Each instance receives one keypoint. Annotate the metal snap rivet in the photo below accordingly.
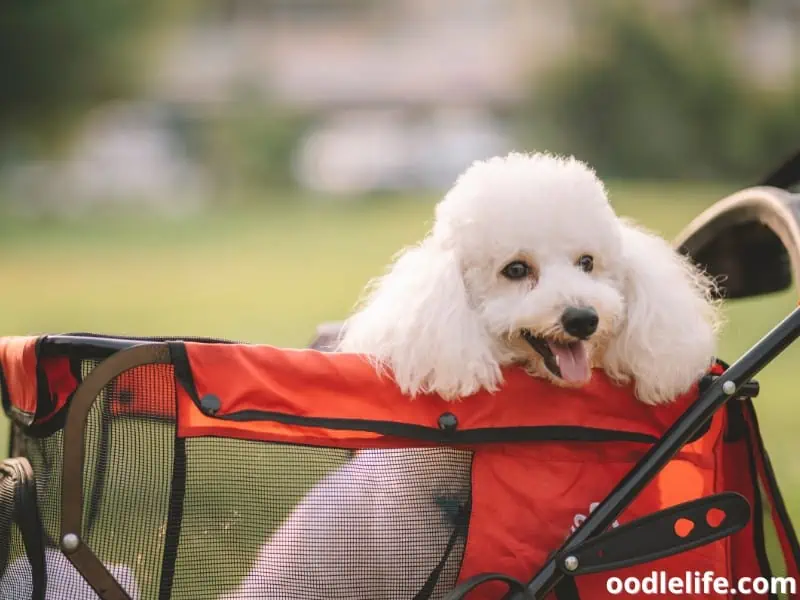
(210, 404)
(448, 422)
(729, 388)
(571, 563)
(70, 542)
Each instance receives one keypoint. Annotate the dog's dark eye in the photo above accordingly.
(585, 263)
(516, 270)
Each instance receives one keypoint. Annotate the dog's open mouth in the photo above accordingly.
(567, 360)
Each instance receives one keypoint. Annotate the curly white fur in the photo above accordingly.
(443, 319)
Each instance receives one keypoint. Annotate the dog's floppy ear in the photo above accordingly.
(668, 337)
(417, 321)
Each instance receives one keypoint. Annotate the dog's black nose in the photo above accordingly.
(580, 322)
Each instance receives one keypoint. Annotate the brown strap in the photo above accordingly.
(96, 574)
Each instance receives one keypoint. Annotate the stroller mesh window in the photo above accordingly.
(238, 493)
(192, 518)
(127, 473)
(46, 455)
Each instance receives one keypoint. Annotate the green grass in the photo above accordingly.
(256, 275)
(271, 275)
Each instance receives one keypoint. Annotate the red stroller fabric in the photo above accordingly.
(543, 456)
(527, 496)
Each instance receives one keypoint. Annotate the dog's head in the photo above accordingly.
(528, 264)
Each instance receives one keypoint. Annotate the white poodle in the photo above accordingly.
(526, 264)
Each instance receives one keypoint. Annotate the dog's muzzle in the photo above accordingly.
(568, 360)
(543, 348)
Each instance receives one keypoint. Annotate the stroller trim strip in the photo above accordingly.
(765, 473)
(177, 494)
(6, 400)
(94, 345)
(461, 529)
(759, 542)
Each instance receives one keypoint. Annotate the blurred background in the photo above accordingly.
(242, 168)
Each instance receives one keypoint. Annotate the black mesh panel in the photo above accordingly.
(224, 518)
(368, 527)
(127, 475)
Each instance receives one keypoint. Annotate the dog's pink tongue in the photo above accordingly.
(573, 361)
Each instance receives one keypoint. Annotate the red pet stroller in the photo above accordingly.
(160, 468)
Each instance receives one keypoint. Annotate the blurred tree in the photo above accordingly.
(61, 57)
(655, 98)
(250, 144)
